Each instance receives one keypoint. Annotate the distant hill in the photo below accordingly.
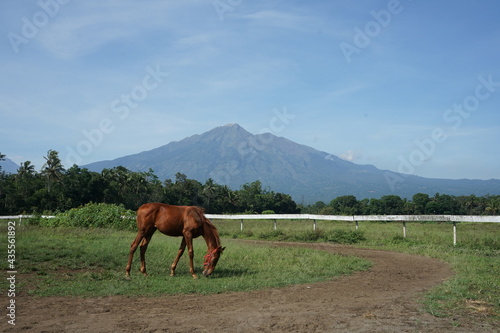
(232, 156)
(8, 166)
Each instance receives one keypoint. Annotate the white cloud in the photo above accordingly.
(350, 156)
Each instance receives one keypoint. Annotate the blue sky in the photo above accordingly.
(410, 86)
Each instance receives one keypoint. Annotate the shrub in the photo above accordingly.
(94, 215)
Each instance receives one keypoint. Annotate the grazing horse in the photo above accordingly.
(186, 221)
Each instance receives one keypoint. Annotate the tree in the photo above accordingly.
(284, 204)
(53, 168)
(209, 193)
(2, 158)
(252, 197)
(420, 201)
(345, 205)
(25, 170)
(392, 204)
(493, 206)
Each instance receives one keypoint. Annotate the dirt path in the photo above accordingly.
(383, 299)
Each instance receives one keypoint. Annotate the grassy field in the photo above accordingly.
(475, 259)
(90, 262)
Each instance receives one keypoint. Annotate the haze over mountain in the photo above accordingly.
(232, 156)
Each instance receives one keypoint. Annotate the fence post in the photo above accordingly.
(275, 226)
(454, 233)
(356, 225)
(404, 229)
(241, 225)
(314, 225)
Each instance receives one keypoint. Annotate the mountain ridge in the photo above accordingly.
(232, 156)
(8, 166)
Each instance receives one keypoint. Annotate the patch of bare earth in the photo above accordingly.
(382, 299)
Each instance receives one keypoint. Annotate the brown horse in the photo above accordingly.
(186, 221)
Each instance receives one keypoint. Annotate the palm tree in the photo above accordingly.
(493, 206)
(52, 168)
(25, 170)
(209, 191)
(2, 158)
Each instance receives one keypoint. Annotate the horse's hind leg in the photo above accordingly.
(133, 247)
(179, 255)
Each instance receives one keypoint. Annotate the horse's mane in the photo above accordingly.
(209, 223)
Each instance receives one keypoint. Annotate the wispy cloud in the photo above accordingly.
(85, 26)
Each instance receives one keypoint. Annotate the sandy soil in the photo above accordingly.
(383, 299)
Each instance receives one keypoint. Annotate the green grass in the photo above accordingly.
(83, 262)
(91, 262)
(475, 289)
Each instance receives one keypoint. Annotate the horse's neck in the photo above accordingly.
(211, 237)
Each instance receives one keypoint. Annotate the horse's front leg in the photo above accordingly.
(144, 247)
(133, 247)
(189, 242)
(179, 255)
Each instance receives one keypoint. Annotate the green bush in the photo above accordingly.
(94, 215)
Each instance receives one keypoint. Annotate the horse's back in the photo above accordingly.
(169, 219)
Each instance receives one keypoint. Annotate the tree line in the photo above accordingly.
(421, 204)
(56, 189)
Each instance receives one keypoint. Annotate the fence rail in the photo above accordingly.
(358, 218)
(350, 218)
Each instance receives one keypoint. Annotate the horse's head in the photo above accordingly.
(211, 260)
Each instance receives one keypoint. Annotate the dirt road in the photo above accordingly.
(383, 299)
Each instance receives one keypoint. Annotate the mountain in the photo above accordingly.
(8, 166)
(232, 156)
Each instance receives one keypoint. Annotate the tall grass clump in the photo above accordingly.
(338, 236)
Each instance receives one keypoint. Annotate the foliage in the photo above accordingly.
(93, 215)
(421, 203)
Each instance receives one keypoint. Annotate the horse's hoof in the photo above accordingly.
(195, 277)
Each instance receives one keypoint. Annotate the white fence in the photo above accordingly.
(351, 218)
(357, 218)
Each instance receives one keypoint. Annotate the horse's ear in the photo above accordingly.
(221, 249)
